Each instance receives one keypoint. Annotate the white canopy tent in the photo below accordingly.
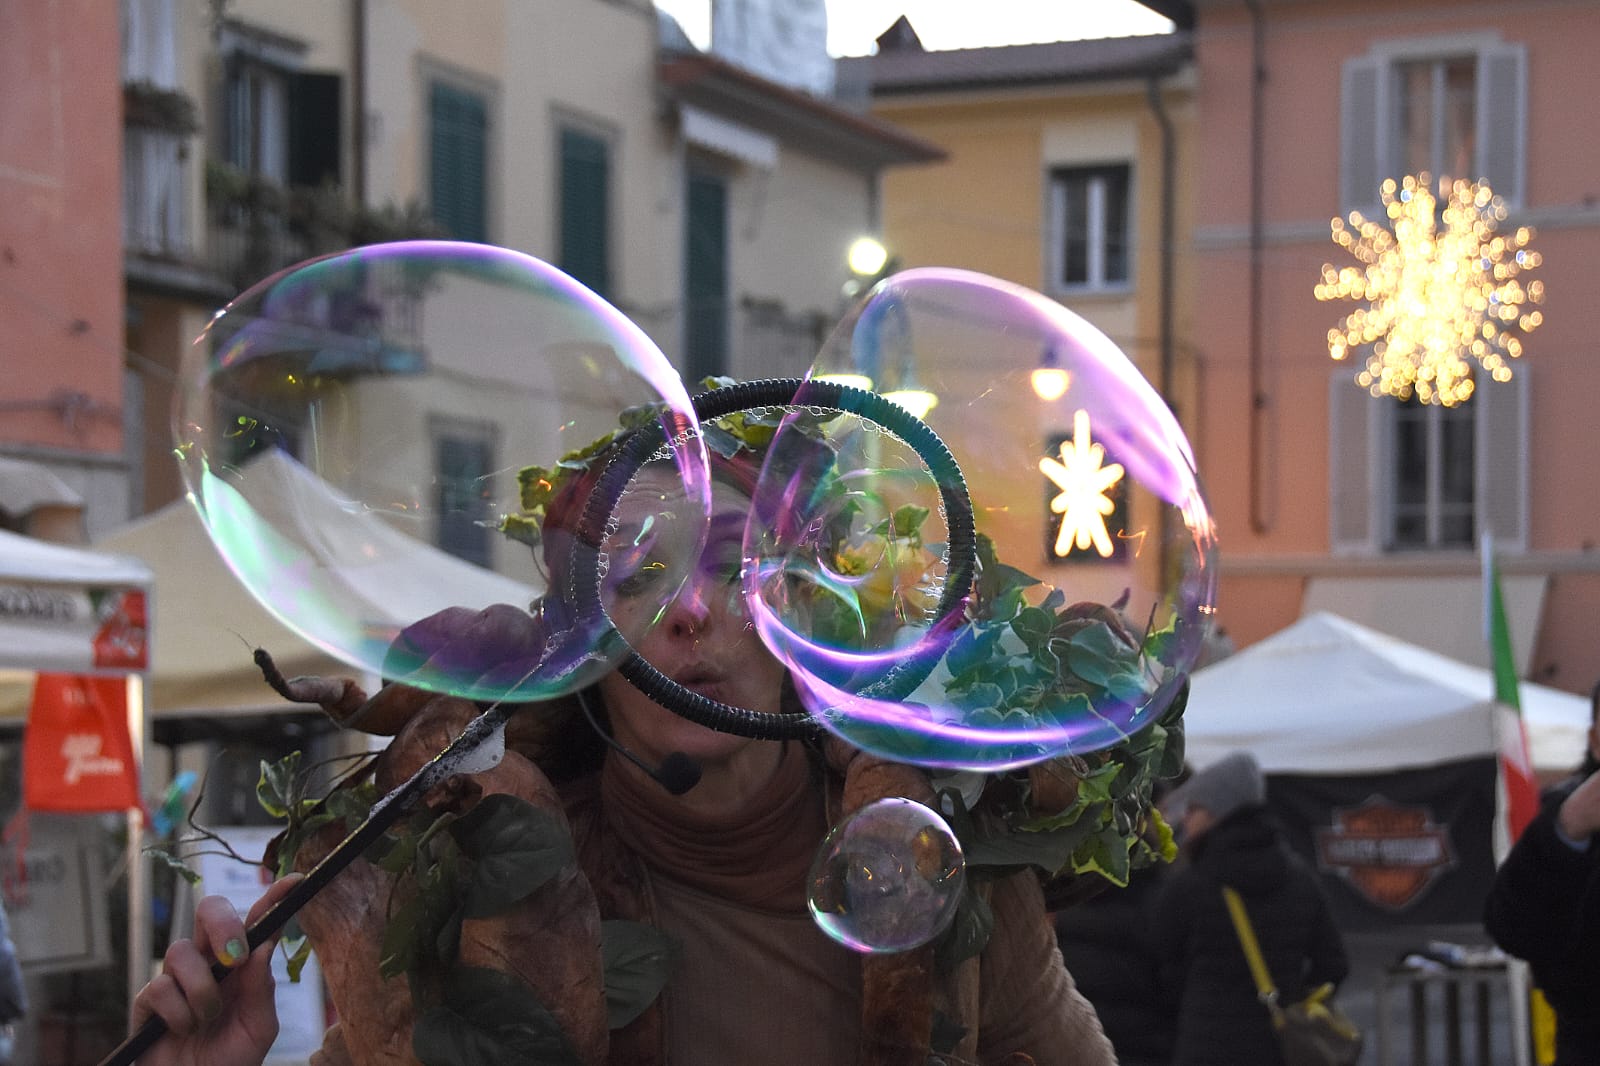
(1328, 696)
(52, 601)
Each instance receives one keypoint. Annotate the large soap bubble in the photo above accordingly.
(372, 440)
(1095, 574)
(887, 879)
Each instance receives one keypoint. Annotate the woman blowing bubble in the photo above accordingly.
(720, 868)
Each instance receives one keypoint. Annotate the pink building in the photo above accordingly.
(1327, 496)
(61, 279)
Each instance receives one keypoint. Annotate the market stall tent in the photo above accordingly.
(65, 609)
(1381, 761)
(1328, 696)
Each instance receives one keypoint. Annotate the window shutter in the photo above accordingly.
(1502, 118)
(1502, 473)
(459, 122)
(706, 277)
(1352, 489)
(314, 129)
(585, 209)
(1361, 136)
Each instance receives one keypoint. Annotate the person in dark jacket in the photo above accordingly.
(1107, 943)
(1544, 904)
(1231, 840)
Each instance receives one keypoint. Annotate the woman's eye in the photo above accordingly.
(641, 580)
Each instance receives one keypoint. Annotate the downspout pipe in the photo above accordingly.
(1166, 266)
(1260, 521)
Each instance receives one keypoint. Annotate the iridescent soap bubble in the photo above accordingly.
(1095, 548)
(888, 878)
(360, 432)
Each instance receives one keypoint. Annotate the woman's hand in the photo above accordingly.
(1579, 816)
(212, 1023)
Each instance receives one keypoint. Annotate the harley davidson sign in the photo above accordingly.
(1389, 853)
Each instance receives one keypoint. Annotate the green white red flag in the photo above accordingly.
(1519, 781)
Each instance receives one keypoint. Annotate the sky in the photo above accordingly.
(853, 25)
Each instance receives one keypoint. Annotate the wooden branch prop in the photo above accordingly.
(480, 747)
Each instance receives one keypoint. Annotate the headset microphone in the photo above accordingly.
(677, 773)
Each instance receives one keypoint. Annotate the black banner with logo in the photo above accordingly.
(1407, 848)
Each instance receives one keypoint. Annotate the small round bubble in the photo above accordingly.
(888, 878)
(398, 450)
(1093, 567)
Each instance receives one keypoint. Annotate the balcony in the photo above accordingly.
(256, 227)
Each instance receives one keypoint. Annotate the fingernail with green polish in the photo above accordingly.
(233, 952)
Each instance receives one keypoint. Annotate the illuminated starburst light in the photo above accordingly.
(1439, 289)
(1084, 478)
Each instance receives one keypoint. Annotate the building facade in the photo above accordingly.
(1327, 496)
(61, 306)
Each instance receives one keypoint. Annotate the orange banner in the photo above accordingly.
(76, 752)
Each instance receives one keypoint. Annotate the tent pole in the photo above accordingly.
(139, 931)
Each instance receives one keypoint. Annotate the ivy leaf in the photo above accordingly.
(908, 520)
(516, 847)
(1033, 625)
(1107, 855)
(1101, 658)
(276, 788)
(400, 947)
(637, 958)
(489, 1018)
(968, 933)
(298, 951)
(1051, 850)
(183, 869)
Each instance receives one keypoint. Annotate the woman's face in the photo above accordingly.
(704, 641)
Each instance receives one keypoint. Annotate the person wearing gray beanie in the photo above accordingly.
(1231, 839)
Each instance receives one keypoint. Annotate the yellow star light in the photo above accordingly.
(1084, 478)
(1439, 289)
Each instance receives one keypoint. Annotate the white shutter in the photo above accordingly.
(1502, 119)
(1361, 136)
(1353, 506)
(1502, 451)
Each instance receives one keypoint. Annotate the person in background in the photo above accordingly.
(1107, 942)
(13, 996)
(1544, 904)
(1230, 839)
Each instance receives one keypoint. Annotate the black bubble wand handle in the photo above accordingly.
(480, 747)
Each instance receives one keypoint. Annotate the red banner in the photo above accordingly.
(76, 752)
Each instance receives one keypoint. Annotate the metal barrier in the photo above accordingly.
(1457, 1001)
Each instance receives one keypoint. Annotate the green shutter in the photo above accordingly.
(459, 121)
(706, 277)
(586, 209)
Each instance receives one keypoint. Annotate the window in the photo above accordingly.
(585, 208)
(1406, 476)
(149, 43)
(463, 465)
(1453, 107)
(1089, 227)
(280, 123)
(706, 277)
(1431, 470)
(459, 160)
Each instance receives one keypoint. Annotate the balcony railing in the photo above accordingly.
(256, 227)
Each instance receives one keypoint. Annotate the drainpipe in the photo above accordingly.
(1260, 522)
(1165, 268)
(1168, 195)
(358, 102)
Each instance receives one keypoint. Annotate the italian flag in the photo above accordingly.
(1517, 777)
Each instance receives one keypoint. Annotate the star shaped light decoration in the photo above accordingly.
(1440, 289)
(1084, 478)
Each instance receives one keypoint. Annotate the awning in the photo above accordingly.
(1442, 614)
(25, 487)
(714, 133)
